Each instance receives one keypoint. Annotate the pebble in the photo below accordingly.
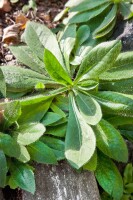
(9, 57)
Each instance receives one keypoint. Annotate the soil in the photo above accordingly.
(45, 13)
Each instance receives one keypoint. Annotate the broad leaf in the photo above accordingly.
(83, 34)
(116, 103)
(109, 177)
(39, 36)
(57, 145)
(108, 141)
(7, 141)
(24, 154)
(19, 79)
(92, 164)
(59, 130)
(29, 133)
(25, 55)
(3, 169)
(92, 66)
(50, 118)
(2, 84)
(41, 153)
(80, 139)
(89, 108)
(67, 42)
(23, 176)
(55, 69)
(86, 16)
(12, 111)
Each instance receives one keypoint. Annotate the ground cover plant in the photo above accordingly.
(77, 112)
(100, 15)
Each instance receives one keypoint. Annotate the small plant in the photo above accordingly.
(71, 102)
(100, 15)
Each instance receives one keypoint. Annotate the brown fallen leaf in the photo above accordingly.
(5, 5)
(21, 19)
(11, 34)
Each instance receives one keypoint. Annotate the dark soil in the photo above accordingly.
(45, 13)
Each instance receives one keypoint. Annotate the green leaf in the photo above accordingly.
(12, 111)
(67, 42)
(41, 153)
(109, 177)
(19, 79)
(129, 188)
(122, 68)
(23, 176)
(25, 55)
(128, 174)
(108, 141)
(89, 108)
(57, 110)
(24, 154)
(2, 84)
(126, 9)
(92, 164)
(50, 118)
(72, 3)
(39, 36)
(34, 112)
(83, 34)
(7, 141)
(80, 139)
(99, 59)
(107, 21)
(88, 5)
(59, 130)
(54, 69)
(57, 145)
(29, 133)
(86, 16)
(115, 103)
(3, 169)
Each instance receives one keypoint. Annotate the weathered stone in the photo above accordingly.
(61, 182)
(124, 32)
(1, 195)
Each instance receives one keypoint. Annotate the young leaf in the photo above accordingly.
(128, 174)
(24, 154)
(89, 108)
(109, 177)
(25, 55)
(67, 42)
(92, 66)
(108, 141)
(41, 153)
(55, 69)
(3, 169)
(29, 133)
(23, 176)
(2, 84)
(80, 139)
(7, 141)
(39, 36)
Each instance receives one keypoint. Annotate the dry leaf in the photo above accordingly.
(21, 19)
(5, 5)
(11, 34)
(1, 115)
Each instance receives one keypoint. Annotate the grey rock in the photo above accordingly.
(61, 182)
(124, 32)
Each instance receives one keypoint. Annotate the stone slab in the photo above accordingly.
(61, 182)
